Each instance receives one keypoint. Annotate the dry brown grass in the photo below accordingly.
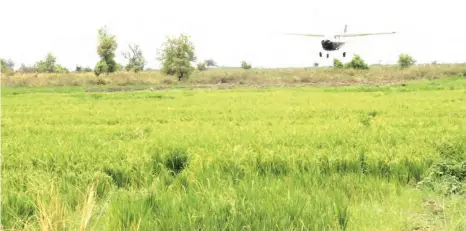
(323, 75)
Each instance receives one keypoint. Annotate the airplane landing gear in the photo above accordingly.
(344, 54)
(320, 55)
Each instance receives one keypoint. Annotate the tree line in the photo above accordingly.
(176, 55)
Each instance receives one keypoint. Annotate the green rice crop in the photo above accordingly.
(342, 158)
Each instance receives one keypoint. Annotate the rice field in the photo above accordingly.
(310, 158)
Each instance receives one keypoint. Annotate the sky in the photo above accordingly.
(231, 31)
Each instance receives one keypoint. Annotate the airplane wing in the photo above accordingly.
(311, 35)
(362, 34)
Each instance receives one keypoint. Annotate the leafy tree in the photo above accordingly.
(202, 66)
(357, 63)
(210, 63)
(135, 59)
(61, 69)
(101, 67)
(316, 64)
(106, 50)
(245, 65)
(80, 69)
(176, 55)
(7, 64)
(26, 69)
(404, 60)
(7, 67)
(337, 63)
(47, 65)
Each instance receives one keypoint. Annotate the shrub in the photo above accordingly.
(357, 63)
(245, 65)
(201, 66)
(404, 60)
(337, 63)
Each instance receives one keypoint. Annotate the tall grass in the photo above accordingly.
(266, 159)
(322, 75)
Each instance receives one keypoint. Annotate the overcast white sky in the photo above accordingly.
(230, 31)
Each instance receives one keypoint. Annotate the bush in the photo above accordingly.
(405, 61)
(201, 66)
(101, 67)
(245, 65)
(337, 63)
(357, 63)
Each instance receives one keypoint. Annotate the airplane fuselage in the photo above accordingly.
(329, 45)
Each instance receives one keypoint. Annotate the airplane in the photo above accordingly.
(329, 44)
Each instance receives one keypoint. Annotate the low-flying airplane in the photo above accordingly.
(334, 42)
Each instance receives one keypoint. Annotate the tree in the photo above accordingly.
(176, 55)
(404, 60)
(135, 59)
(245, 65)
(7, 66)
(337, 63)
(210, 63)
(201, 66)
(26, 69)
(106, 50)
(47, 65)
(357, 63)
(61, 69)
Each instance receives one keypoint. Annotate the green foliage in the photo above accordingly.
(201, 66)
(106, 50)
(7, 66)
(136, 60)
(316, 64)
(80, 69)
(7, 63)
(61, 69)
(101, 67)
(47, 65)
(448, 174)
(176, 55)
(260, 160)
(176, 160)
(245, 65)
(337, 63)
(26, 69)
(405, 60)
(357, 63)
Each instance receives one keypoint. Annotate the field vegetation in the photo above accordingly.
(254, 76)
(103, 148)
(331, 158)
(179, 65)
